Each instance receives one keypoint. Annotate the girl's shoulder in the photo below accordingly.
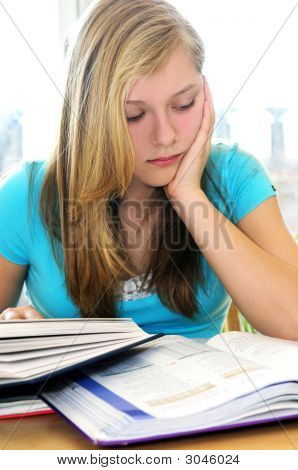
(20, 186)
(230, 157)
(231, 165)
(15, 224)
(19, 173)
(242, 180)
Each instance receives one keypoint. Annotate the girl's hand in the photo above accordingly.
(20, 313)
(190, 170)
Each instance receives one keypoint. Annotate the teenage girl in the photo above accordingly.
(135, 213)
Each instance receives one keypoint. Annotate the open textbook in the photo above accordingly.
(176, 386)
(33, 350)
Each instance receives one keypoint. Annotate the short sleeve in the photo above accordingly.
(247, 183)
(13, 215)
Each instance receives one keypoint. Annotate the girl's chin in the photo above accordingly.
(159, 182)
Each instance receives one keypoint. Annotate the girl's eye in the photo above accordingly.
(180, 108)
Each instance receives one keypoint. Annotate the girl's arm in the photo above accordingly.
(12, 277)
(263, 285)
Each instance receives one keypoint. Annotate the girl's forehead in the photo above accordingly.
(176, 72)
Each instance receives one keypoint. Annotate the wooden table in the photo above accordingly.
(53, 432)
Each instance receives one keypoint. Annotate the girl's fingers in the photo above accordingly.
(10, 314)
(20, 313)
(208, 119)
(207, 91)
(30, 312)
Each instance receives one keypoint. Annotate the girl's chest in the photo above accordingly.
(139, 243)
(138, 247)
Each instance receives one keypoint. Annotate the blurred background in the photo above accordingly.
(250, 65)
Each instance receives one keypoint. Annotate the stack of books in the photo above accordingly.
(119, 385)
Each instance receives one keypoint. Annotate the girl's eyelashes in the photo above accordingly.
(179, 108)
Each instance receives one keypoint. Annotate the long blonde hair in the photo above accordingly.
(92, 163)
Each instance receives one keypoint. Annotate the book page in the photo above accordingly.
(265, 350)
(175, 376)
(60, 326)
(38, 365)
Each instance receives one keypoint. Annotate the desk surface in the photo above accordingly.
(53, 432)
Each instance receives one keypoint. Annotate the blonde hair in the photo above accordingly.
(92, 163)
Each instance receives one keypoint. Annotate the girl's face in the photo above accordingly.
(160, 123)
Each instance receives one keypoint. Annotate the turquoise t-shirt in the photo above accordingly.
(242, 176)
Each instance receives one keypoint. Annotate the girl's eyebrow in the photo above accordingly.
(186, 88)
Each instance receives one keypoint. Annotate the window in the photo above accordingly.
(252, 75)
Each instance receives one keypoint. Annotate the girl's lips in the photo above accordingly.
(165, 162)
